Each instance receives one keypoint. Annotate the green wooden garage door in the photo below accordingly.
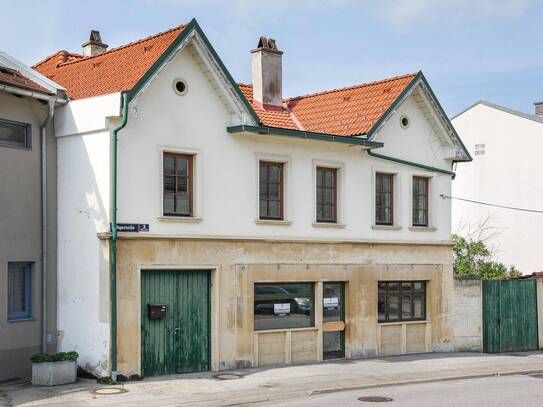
(509, 316)
(180, 342)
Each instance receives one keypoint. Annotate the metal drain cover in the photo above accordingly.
(375, 399)
(227, 376)
(109, 391)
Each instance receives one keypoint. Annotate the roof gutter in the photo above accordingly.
(32, 94)
(274, 131)
(411, 163)
(113, 228)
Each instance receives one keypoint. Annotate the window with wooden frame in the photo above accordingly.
(178, 180)
(19, 291)
(14, 134)
(420, 201)
(271, 190)
(401, 301)
(327, 195)
(384, 199)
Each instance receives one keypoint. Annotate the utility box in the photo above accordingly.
(156, 311)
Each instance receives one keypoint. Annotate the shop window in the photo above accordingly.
(401, 301)
(19, 291)
(284, 305)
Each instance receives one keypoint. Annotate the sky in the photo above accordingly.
(468, 49)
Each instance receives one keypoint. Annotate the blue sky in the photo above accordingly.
(468, 49)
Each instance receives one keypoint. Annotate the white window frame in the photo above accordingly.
(396, 198)
(340, 218)
(431, 200)
(197, 182)
(287, 169)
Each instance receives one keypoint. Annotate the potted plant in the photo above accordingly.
(52, 370)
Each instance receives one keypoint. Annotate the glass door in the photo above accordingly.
(333, 320)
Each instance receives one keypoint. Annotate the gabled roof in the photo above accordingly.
(533, 117)
(116, 70)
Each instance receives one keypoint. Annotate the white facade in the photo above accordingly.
(506, 170)
(226, 185)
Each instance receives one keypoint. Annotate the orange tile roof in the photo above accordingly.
(116, 70)
(13, 78)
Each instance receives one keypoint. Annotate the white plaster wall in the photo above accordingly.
(509, 173)
(226, 167)
(83, 204)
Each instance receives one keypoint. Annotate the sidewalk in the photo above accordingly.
(266, 385)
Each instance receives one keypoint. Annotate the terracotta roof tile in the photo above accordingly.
(15, 79)
(116, 70)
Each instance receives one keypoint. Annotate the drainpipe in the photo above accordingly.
(43, 158)
(411, 163)
(113, 228)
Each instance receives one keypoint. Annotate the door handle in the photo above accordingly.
(175, 330)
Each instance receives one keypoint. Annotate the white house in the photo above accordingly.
(249, 229)
(504, 179)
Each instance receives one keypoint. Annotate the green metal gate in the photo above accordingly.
(509, 316)
(175, 338)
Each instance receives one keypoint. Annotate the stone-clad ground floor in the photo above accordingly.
(242, 294)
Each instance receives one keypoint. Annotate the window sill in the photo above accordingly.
(422, 228)
(271, 331)
(273, 222)
(411, 322)
(329, 225)
(186, 219)
(21, 319)
(386, 227)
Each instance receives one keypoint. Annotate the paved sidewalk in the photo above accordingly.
(280, 383)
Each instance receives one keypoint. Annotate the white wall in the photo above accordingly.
(83, 205)
(227, 173)
(509, 173)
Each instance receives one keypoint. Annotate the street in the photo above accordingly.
(519, 390)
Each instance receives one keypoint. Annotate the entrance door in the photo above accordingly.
(175, 322)
(333, 320)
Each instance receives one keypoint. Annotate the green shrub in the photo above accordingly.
(57, 357)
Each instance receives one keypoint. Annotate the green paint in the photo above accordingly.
(411, 163)
(275, 131)
(181, 342)
(509, 316)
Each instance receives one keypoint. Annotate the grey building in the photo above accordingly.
(27, 216)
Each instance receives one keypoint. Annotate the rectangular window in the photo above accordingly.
(271, 190)
(178, 184)
(420, 201)
(19, 291)
(284, 305)
(384, 199)
(13, 134)
(326, 195)
(401, 301)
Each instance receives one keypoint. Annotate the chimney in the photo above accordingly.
(94, 46)
(539, 108)
(267, 73)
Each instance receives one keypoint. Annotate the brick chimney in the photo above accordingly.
(94, 46)
(539, 108)
(267, 74)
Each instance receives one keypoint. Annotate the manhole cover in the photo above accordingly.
(109, 391)
(375, 399)
(227, 376)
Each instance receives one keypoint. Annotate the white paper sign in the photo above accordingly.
(281, 309)
(331, 302)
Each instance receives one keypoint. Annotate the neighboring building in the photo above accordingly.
(250, 229)
(26, 327)
(500, 175)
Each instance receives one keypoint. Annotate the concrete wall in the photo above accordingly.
(20, 234)
(468, 315)
(237, 265)
(514, 235)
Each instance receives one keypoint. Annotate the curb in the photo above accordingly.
(423, 381)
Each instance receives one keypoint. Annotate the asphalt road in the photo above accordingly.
(523, 391)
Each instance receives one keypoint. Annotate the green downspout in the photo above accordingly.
(113, 228)
(411, 163)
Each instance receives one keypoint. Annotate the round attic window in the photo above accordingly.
(404, 122)
(180, 86)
